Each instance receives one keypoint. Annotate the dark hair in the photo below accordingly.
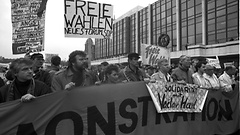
(36, 55)
(72, 55)
(111, 68)
(199, 64)
(229, 67)
(56, 60)
(104, 63)
(16, 64)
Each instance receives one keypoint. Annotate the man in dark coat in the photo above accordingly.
(39, 73)
(132, 72)
(23, 86)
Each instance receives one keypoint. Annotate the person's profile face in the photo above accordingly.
(24, 73)
(186, 62)
(134, 61)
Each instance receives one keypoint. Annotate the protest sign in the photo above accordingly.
(27, 27)
(116, 109)
(213, 62)
(173, 97)
(151, 54)
(48, 57)
(87, 19)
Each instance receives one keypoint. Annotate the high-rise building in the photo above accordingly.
(199, 28)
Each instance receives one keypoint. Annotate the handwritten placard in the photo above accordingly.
(27, 27)
(152, 53)
(173, 97)
(88, 19)
(213, 62)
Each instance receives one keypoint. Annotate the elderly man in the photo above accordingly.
(132, 72)
(212, 80)
(183, 73)
(162, 74)
(227, 81)
(23, 86)
(75, 74)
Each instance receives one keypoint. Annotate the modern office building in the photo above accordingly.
(198, 28)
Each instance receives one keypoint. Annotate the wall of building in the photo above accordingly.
(208, 24)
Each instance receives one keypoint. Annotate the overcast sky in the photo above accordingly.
(55, 42)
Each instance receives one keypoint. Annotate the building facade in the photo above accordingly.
(199, 28)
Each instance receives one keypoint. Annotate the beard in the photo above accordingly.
(81, 67)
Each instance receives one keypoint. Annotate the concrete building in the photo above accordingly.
(198, 28)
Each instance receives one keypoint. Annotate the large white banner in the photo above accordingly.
(152, 53)
(87, 19)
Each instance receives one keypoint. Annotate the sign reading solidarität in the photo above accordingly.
(173, 97)
(27, 27)
(88, 19)
(152, 53)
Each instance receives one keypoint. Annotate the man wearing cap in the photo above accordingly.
(132, 71)
(39, 73)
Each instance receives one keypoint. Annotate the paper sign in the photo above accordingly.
(87, 19)
(173, 97)
(152, 53)
(27, 27)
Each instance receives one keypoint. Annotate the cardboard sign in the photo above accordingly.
(173, 97)
(213, 62)
(27, 27)
(87, 19)
(151, 54)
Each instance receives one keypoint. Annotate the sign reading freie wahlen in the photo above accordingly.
(152, 53)
(27, 27)
(87, 19)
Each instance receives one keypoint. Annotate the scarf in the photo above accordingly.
(22, 88)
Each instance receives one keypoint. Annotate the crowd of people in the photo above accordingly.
(27, 79)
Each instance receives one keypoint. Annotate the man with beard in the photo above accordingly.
(39, 73)
(75, 74)
(183, 73)
(23, 86)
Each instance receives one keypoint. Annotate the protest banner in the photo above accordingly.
(152, 53)
(88, 19)
(116, 109)
(173, 97)
(27, 27)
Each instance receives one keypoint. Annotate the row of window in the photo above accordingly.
(222, 25)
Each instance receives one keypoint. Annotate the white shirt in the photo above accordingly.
(199, 79)
(226, 82)
(159, 76)
(212, 81)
